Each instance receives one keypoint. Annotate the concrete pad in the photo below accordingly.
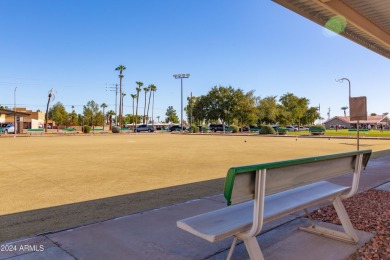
(287, 242)
(38, 247)
(148, 235)
(385, 187)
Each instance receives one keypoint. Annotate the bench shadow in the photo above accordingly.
(23, 224)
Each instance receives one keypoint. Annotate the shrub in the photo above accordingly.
(194, 129)
(267, 130)
(234, 128)
(116, 129)
(86, 129)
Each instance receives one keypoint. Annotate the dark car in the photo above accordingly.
(218, 127)
(144, 128)
(176, 128)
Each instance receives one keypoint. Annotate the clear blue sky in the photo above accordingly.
(74, 46)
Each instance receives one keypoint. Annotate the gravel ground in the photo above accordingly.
(370, 212)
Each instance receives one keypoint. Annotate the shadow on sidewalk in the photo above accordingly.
(67, 216)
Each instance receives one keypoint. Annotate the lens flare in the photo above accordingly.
(336, 24)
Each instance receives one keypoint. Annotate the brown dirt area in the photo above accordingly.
(53, 183)
(369, 211)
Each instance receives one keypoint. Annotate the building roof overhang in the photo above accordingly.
(368, 21)
(9, 112)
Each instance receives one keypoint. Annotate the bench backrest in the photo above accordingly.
(285, 175)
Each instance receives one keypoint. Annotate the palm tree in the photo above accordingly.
(50, 97)
(120, 68)
(150, 95)
(153, 89)
(139, 89)
(104, 105)
(109, 115)
(344, 108)
(123, 95)
(133, 96)
(143, 120)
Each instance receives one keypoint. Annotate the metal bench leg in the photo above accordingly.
(253, 248)
(349, 236)
(344, 219)
(232, 248)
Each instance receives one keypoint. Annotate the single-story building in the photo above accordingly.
(345, 122)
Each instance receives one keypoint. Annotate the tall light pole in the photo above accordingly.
(357, 124)
(349, 84)
(181, 77)
(15, 111)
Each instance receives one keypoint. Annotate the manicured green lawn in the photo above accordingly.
(344, 132)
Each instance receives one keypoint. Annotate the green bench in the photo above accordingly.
(69, 129)
(36, 130)
(360, 130)
(261, 193)
(316, 131)
(282, 131)
(254, 129)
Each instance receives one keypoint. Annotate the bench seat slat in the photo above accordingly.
(214, 225)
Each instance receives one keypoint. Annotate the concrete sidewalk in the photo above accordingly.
(153, 234)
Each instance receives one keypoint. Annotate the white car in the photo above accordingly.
(9, 130)
(303, 128)
(291, 128)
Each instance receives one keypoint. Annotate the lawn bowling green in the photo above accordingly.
(44, 172)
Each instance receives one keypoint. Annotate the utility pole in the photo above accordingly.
(15, 112)
(116, 99)
(191, 110)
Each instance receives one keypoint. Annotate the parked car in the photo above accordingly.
(218, 127)
(144, 128)
(303, 128)
(291, 128)
(176, 128)
(9, 129)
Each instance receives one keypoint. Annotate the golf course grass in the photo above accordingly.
(51, 183)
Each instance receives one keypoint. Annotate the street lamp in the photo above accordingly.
(350, 107)
(349, 84)
(15, 112)
(181, 77)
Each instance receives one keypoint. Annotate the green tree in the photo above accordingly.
(120, 68)
(171, 115)
(311, 116)
(295, 107)
(58, 114)
(190, 107)
(267, 110)
(201, 108)
(73, 118)
(104, 106)
(90, 111)
(244, 110)
(109, 116)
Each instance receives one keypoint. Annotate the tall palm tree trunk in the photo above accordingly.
(147, 111)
